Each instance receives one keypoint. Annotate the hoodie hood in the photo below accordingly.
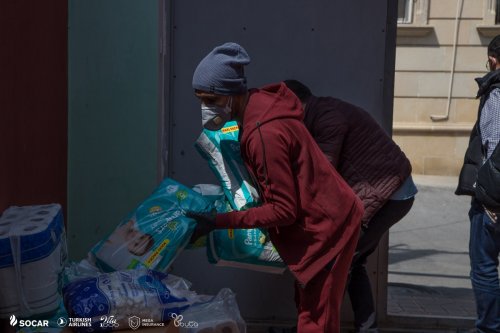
(487, 81)
(270, 103)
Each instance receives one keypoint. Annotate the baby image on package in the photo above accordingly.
(154, 233)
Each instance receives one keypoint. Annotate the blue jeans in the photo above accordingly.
(484, 248)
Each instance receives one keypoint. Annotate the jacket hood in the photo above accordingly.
(270, 103)
(487, 81)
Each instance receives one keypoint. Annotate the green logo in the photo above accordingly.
(181, 195)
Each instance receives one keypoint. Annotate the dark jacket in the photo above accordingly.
(487, 189)
(488, 182)
(362, 152)
(311, 212)
(475, 153)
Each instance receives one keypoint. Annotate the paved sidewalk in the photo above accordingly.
(428, 255)
(418, 300)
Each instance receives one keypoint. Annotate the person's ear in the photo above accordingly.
(493, 62)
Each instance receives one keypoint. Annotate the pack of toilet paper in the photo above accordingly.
(33, 252)
(154, 233)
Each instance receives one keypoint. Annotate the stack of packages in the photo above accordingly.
(124, 277)
(243, 248)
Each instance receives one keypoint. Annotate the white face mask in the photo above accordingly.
(213, 117)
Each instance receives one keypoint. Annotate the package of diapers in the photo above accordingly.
(32, 256)
(109, 300)
(221, 149)
(243, 248)
(154, 233)
(215, 195)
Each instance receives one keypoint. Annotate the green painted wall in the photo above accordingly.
(113, 114)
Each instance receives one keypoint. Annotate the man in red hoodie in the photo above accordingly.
(314, 235)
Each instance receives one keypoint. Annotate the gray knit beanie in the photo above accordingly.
(221, 71)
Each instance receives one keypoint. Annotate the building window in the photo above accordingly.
(412, 18)
(405, 14)
(497, 12)
(490, 26)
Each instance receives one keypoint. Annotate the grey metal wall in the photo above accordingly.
(338, 48)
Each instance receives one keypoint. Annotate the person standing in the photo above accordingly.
(484, 241)
(376, 169)
(314, 235)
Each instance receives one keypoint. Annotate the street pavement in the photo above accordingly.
(428, 255)
(430, 245)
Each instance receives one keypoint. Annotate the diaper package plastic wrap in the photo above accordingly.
(215, 195)
(220, 315)
(243, 248)
(79, 270)
(154, 233)
(110, 299)
(221, 149)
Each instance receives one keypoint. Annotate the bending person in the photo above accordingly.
(314, 235)
(375, 168)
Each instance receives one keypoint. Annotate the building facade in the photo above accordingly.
(441, 48)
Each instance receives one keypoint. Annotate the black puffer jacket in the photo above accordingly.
(472, 162)
(488, 182)
(475, 153)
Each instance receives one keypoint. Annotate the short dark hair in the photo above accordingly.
(494, 47)
(299, 89)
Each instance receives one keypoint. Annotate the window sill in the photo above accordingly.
(408, 30)
(407, 128)
(488, 30)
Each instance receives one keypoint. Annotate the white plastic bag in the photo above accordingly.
(141, 293)
(220, 315)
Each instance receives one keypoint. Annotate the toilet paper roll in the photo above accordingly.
(27, 220)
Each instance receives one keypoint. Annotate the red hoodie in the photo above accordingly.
(311, 212)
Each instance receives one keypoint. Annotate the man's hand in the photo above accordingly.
(205, 222)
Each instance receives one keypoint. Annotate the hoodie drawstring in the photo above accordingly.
(266, 179)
